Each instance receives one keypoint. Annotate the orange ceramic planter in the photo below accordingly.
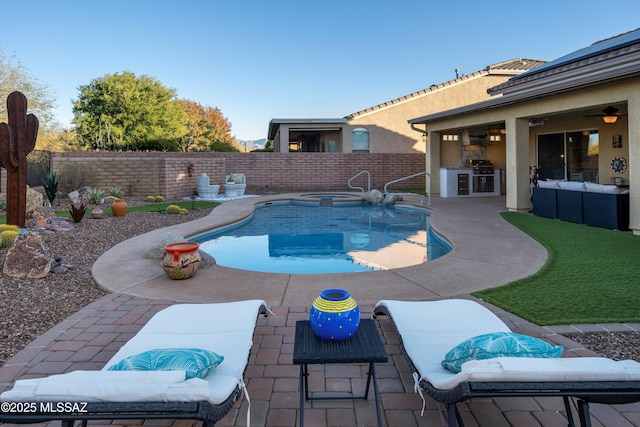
(119, 207)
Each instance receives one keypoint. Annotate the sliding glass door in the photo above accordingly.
(551, 156)
(569, 155)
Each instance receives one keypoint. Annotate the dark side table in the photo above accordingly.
(364, 347)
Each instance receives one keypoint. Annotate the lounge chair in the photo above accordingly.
(428, 330)
(224, 328)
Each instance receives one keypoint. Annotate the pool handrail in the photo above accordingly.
(360, 188)
(410, 194)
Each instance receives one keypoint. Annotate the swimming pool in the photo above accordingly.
(304, 238)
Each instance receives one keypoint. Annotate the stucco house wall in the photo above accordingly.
(387, 124)
(388, 128)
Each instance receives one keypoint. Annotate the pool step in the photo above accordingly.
(326, 202)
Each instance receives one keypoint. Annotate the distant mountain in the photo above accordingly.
(253, 145)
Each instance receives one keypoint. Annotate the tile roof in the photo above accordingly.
(517, 65)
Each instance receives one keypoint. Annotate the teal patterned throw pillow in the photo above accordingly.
(196, 362)
(497, 344)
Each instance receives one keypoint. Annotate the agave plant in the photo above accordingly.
(116, 192)
(50, 186)
(96, 195)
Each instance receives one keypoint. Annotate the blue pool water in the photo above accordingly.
(303, 238)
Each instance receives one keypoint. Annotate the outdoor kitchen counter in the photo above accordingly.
(478, 185)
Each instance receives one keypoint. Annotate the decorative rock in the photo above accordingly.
(81, 195)
(34, 202)
(41, 211)
(157, 250)
(374, 196)
(207, 260)
(28, 258)
(390, 199)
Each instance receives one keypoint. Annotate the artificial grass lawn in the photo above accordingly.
(592, 275)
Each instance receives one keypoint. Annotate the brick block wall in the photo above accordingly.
(167, 174)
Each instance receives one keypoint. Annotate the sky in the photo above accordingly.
(257, 60)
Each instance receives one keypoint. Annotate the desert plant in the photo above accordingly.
(173, 209)
(96, 195)
(7, 238)
(159, 199)
(50, 186)
(77, 212)
(75, 175)
(150, 199)
(184, 212)
(9, 227)
(116, 192)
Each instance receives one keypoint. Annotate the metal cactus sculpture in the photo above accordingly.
(17, 139)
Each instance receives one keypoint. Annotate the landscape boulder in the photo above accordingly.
(81, 195)
(34, 202)
(28, 258)
(374, 196)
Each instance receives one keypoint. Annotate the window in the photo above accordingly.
(360, 140)
(569, 155)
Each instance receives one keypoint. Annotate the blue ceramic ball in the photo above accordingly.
(334, 315)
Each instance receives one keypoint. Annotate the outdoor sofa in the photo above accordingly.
(583, 203)
(185, 390)
(429, 330)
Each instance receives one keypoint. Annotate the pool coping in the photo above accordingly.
(487, 252)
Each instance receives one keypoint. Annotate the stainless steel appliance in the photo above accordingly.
(483, 176)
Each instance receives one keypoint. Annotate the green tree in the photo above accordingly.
(208, 129)
(125, 112)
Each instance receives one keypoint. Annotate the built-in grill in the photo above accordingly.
(482, 167)
(483, 176)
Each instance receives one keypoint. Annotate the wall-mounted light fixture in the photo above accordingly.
(425, 137)
(503, 130)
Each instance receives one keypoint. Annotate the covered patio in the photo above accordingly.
(569, 119)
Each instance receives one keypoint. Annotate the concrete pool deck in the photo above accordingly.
(487, 252)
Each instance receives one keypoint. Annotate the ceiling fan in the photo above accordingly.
(609, 114)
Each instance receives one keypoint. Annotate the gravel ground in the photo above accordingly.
(31, 307)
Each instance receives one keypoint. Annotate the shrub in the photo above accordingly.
(7, 238)
(173, 209)
(96, 195)
(150, 199)
(116, 192)
(75, 175)
(159, 199)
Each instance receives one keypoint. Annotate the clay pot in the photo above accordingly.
(97, 213)
(119, 207)
(182, 260)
